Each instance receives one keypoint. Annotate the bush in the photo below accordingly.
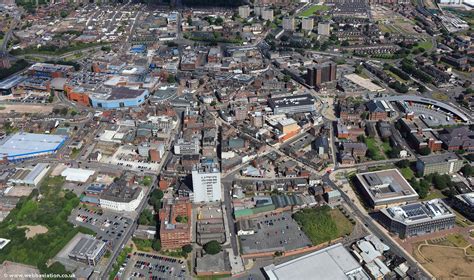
(425, 151)
(212, 247)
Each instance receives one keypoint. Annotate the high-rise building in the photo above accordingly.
(321, 73)
(244, 11)
(206, 183)
(289, 23)
(267, 14)
(323, 28)
(307, 24)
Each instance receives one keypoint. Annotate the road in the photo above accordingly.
(9, 33)
(375, 229)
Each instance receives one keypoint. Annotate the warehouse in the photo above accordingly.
(331, 263)
(21, 146)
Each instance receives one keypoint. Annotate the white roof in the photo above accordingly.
(22, 144)
(77, 174)
(331, 263)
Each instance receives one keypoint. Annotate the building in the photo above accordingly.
(324, 28)
(418, 218)
(420, 135)
(21, 146)
(175, 234)
(446, 163)
(292, 104)
(288, 23)
(267, 14)
(183, 147)
(464, 203)
(48, 70)
(288, 128)
(458, 138)
(385, 188)
(206, 183)
(307, 24)
(330, 263)
(118, 97)
(119, 196)
(30, 177)
(244, 11)
(333, 198)
(88, 250)
(321, 73)
(379, 110)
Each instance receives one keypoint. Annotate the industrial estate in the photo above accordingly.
(246, 139)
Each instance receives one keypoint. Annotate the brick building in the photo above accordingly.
(174, 234)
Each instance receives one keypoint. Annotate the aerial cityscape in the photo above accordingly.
(245, 139)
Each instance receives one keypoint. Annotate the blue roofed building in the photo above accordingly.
(21, 146)
(118, 97)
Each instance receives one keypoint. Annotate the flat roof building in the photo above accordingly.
(118, 97)
(121, 197)
(21, 146)
(418, 218)
(331, 263)
(88, 250)
(30, 177)
(292, 104)
(385, 188)
(175, 234)
(464, 203)
(446, 163)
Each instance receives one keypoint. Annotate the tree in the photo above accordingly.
(218, 21)
(187, 249)
(345, 43)
(156, 245)
(181, 219)
(171, 79)
(212, 247)
(403, 163)
(157, 193)
(425, 151)
(467, 170)
(441, 182)
(146, 218)
(286, 78)
(213, 103)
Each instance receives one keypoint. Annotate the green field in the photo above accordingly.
(373, 149)
(312, 10)
(323, 224)
(51, 211)
(407, 173)
(143, 244)
(427, 45)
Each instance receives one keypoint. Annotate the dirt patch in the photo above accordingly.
(23, 108)
(32, 231)
(445, 262)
